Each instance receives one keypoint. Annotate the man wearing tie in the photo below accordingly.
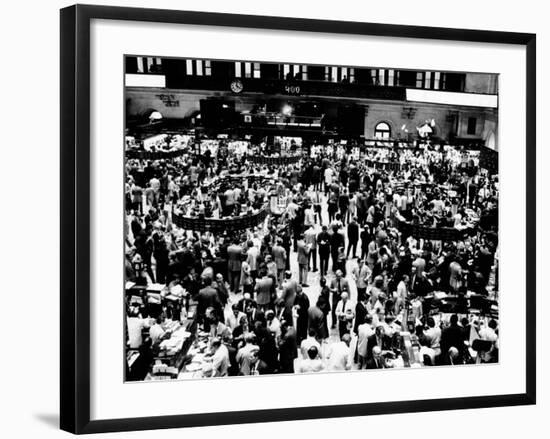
(378, 339)
(338, 285)
(344, 313)
(376, 361)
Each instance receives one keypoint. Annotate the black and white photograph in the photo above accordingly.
(284, 218)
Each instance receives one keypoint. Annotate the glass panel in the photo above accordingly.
(334, 75)
(189, 66)
(139, 64)
(382, 131)
(374, 76)
(419, 80)
(286, 70)
(391, 77)
(437, 75)
(344, 72)
(237, 69)
(199, 67)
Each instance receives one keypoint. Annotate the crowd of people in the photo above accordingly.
(333, 282)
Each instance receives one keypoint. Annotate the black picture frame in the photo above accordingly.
(75, 217)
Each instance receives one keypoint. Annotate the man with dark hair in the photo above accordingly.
(301, 305)
(433, 336)
(323, 244)
(280, 258)
(247, 356)
(317, 321)
(220, 358)
(309, 342)
(312, 363)
(234, 262)
(288, 348)
(379, 339)
(303, 259)
(336, 241)
(343, 204)
(208, 297)
(353, 237)
(452, 337)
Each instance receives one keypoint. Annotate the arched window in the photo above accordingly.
(382, 131)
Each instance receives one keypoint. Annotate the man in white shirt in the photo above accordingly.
(308, 343)
(292, 209)
(364, 331)
(328, 178)
(232, 319)
(433, 335)
(310, 237)
(344, 314)
(488, 333)
(247, 356)
(312, 363)
(156, 332)
(252, 258)
(339, 355)
(309, 216)
(135, 324)
(220, 358)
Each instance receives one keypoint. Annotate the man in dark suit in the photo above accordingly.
(353, 237)
(317, 321)
(376, 361)
(323, 244)
(245, 301)
(301, 302)
(361, 312)
(290, 288)
(208, 297)
(378, 339)
(263, 289)
(336, 241)
(453, 336)
(234, 262)
(420, 284)
(288, 347)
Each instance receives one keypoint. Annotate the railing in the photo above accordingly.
(221, 225)
(434, 233)
(274, 161)
(154, 155)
